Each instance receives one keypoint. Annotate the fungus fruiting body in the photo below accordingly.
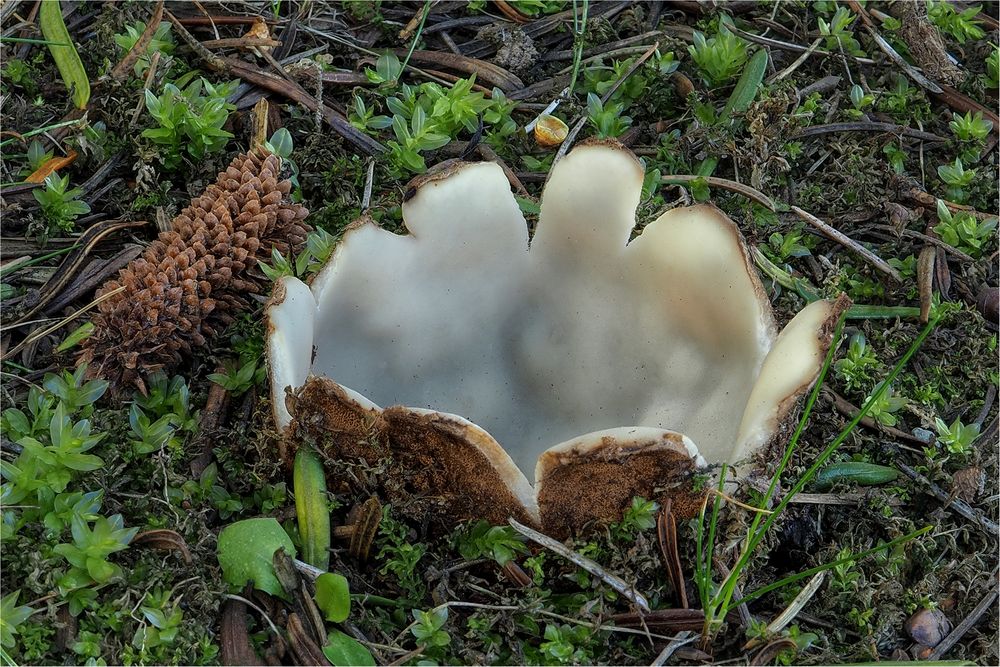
(598, 367)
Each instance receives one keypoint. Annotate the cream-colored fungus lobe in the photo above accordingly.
(549, 341)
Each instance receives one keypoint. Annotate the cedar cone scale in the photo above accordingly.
(191, 282)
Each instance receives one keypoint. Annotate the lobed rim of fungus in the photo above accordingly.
(578, 313)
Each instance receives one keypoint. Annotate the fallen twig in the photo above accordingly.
(887, 49)
(848, 409)
(617, 583)
(58, 325)
(963, 103)
(959, 505)
(139, 48)
(72, 265)
(484, 71)
(798, 61)
(682, 639)
(666, 532)
(952, 250)
(849, 499)
(275, 84)
(849, 243)
(725, 184)
(867, 127)
(791, 611)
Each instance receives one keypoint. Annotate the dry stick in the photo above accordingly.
(966, 624)
(450, 43)
(605, 49)
(787, 46)
(798, 62)
(366, 198)
(887, 49)
(960, 506)
(484, 71)
(683, 638)
(852, 499)
(744, 611)
(72, 265)
(952, 250)
(867, 127)
(604, 98)
(140, 45)
(849, 243)
(58, 325)
(725, 184)
(792, 610)
(925, 280)
(240, 43)
(147, 84)
(847, 408)
(279, 85)
(612, 580)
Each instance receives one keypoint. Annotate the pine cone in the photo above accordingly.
(193, 280)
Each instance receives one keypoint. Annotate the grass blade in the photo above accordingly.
(67, 59)
(781, 583)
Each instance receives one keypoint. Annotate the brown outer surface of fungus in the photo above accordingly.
(191, 282)
(433, 458)
(613, 473)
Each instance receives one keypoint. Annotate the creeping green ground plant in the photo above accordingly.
(958, 437)
(480, 539)
(60, 203)
(162, 42)
(963, 230)
(856, 368)
(190, 120)
(960, 25)
(837, 33)
(719, 58)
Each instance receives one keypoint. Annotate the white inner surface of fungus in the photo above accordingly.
(580, 333)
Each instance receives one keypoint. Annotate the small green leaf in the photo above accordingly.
(281, 142)
(309, 480)
(79, 334)
(527, 205)
(864, 474)
(344, 651)
(245, 551)
(748, 85)
(333, 595)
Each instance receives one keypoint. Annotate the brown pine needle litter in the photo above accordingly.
(192, 282)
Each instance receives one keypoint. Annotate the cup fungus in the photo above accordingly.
(537, 341)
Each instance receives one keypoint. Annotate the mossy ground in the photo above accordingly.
(848, 178)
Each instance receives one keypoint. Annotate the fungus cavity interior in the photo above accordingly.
(574, 330)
